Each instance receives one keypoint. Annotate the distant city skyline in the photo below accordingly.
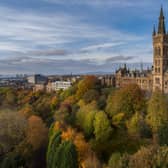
(78, 36)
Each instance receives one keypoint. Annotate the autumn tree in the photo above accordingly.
(157, 110)
(42, 108)
(102, 127)
(82, 147)
(70, 100)
(65, 114)
(86, 156)
(114, 160)
(91, 95)
(11, 98)
(143, 158)
(150, 157)
(127, 100)
(92, 161)
(12, 130)
(54, 103)
(89, 82)
(61, 154)
(26, 111)
(137, 126)
(68, 92)
(37, 132)
(163, 134)
(85, 117)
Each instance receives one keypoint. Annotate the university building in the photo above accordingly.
(157, 76)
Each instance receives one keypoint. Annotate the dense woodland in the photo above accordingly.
(86, 126)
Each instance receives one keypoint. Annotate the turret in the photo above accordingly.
(154, 31)
(161, 26)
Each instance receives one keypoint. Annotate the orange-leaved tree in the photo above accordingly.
(37, 132)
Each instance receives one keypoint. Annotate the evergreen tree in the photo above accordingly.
(61, 154)
(12, 160)
(54, 142)
(66, 156)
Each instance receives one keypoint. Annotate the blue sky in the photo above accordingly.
(78, 36)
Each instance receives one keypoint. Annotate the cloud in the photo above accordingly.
(114, 3)
(49, 34)
(55, 66)
(32, 30)
(48, 52)
(56, 42)
(102, 46)
(119, 58)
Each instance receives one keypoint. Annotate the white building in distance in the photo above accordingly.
(58, 85)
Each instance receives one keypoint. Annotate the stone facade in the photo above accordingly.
(143, 78)
(157, 77)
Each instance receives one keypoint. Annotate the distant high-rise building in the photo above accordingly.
(37, 79)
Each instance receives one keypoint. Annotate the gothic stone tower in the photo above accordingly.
(160, 57)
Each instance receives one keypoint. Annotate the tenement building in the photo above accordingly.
(157, 76)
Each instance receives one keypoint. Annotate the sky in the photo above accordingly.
(76, 36)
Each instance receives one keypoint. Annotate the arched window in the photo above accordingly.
(155, 70)
(158, 70)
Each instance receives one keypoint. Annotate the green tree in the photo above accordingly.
(42, 108)
(163, 134)
(66, 156)
(138, 127)
(54, 142)
(68, 92)
(85, 117)
(115, 160)
(102, 127)
(61, 154)
(157, 112)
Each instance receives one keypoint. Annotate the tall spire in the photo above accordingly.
(154, 31)
(161, 27)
